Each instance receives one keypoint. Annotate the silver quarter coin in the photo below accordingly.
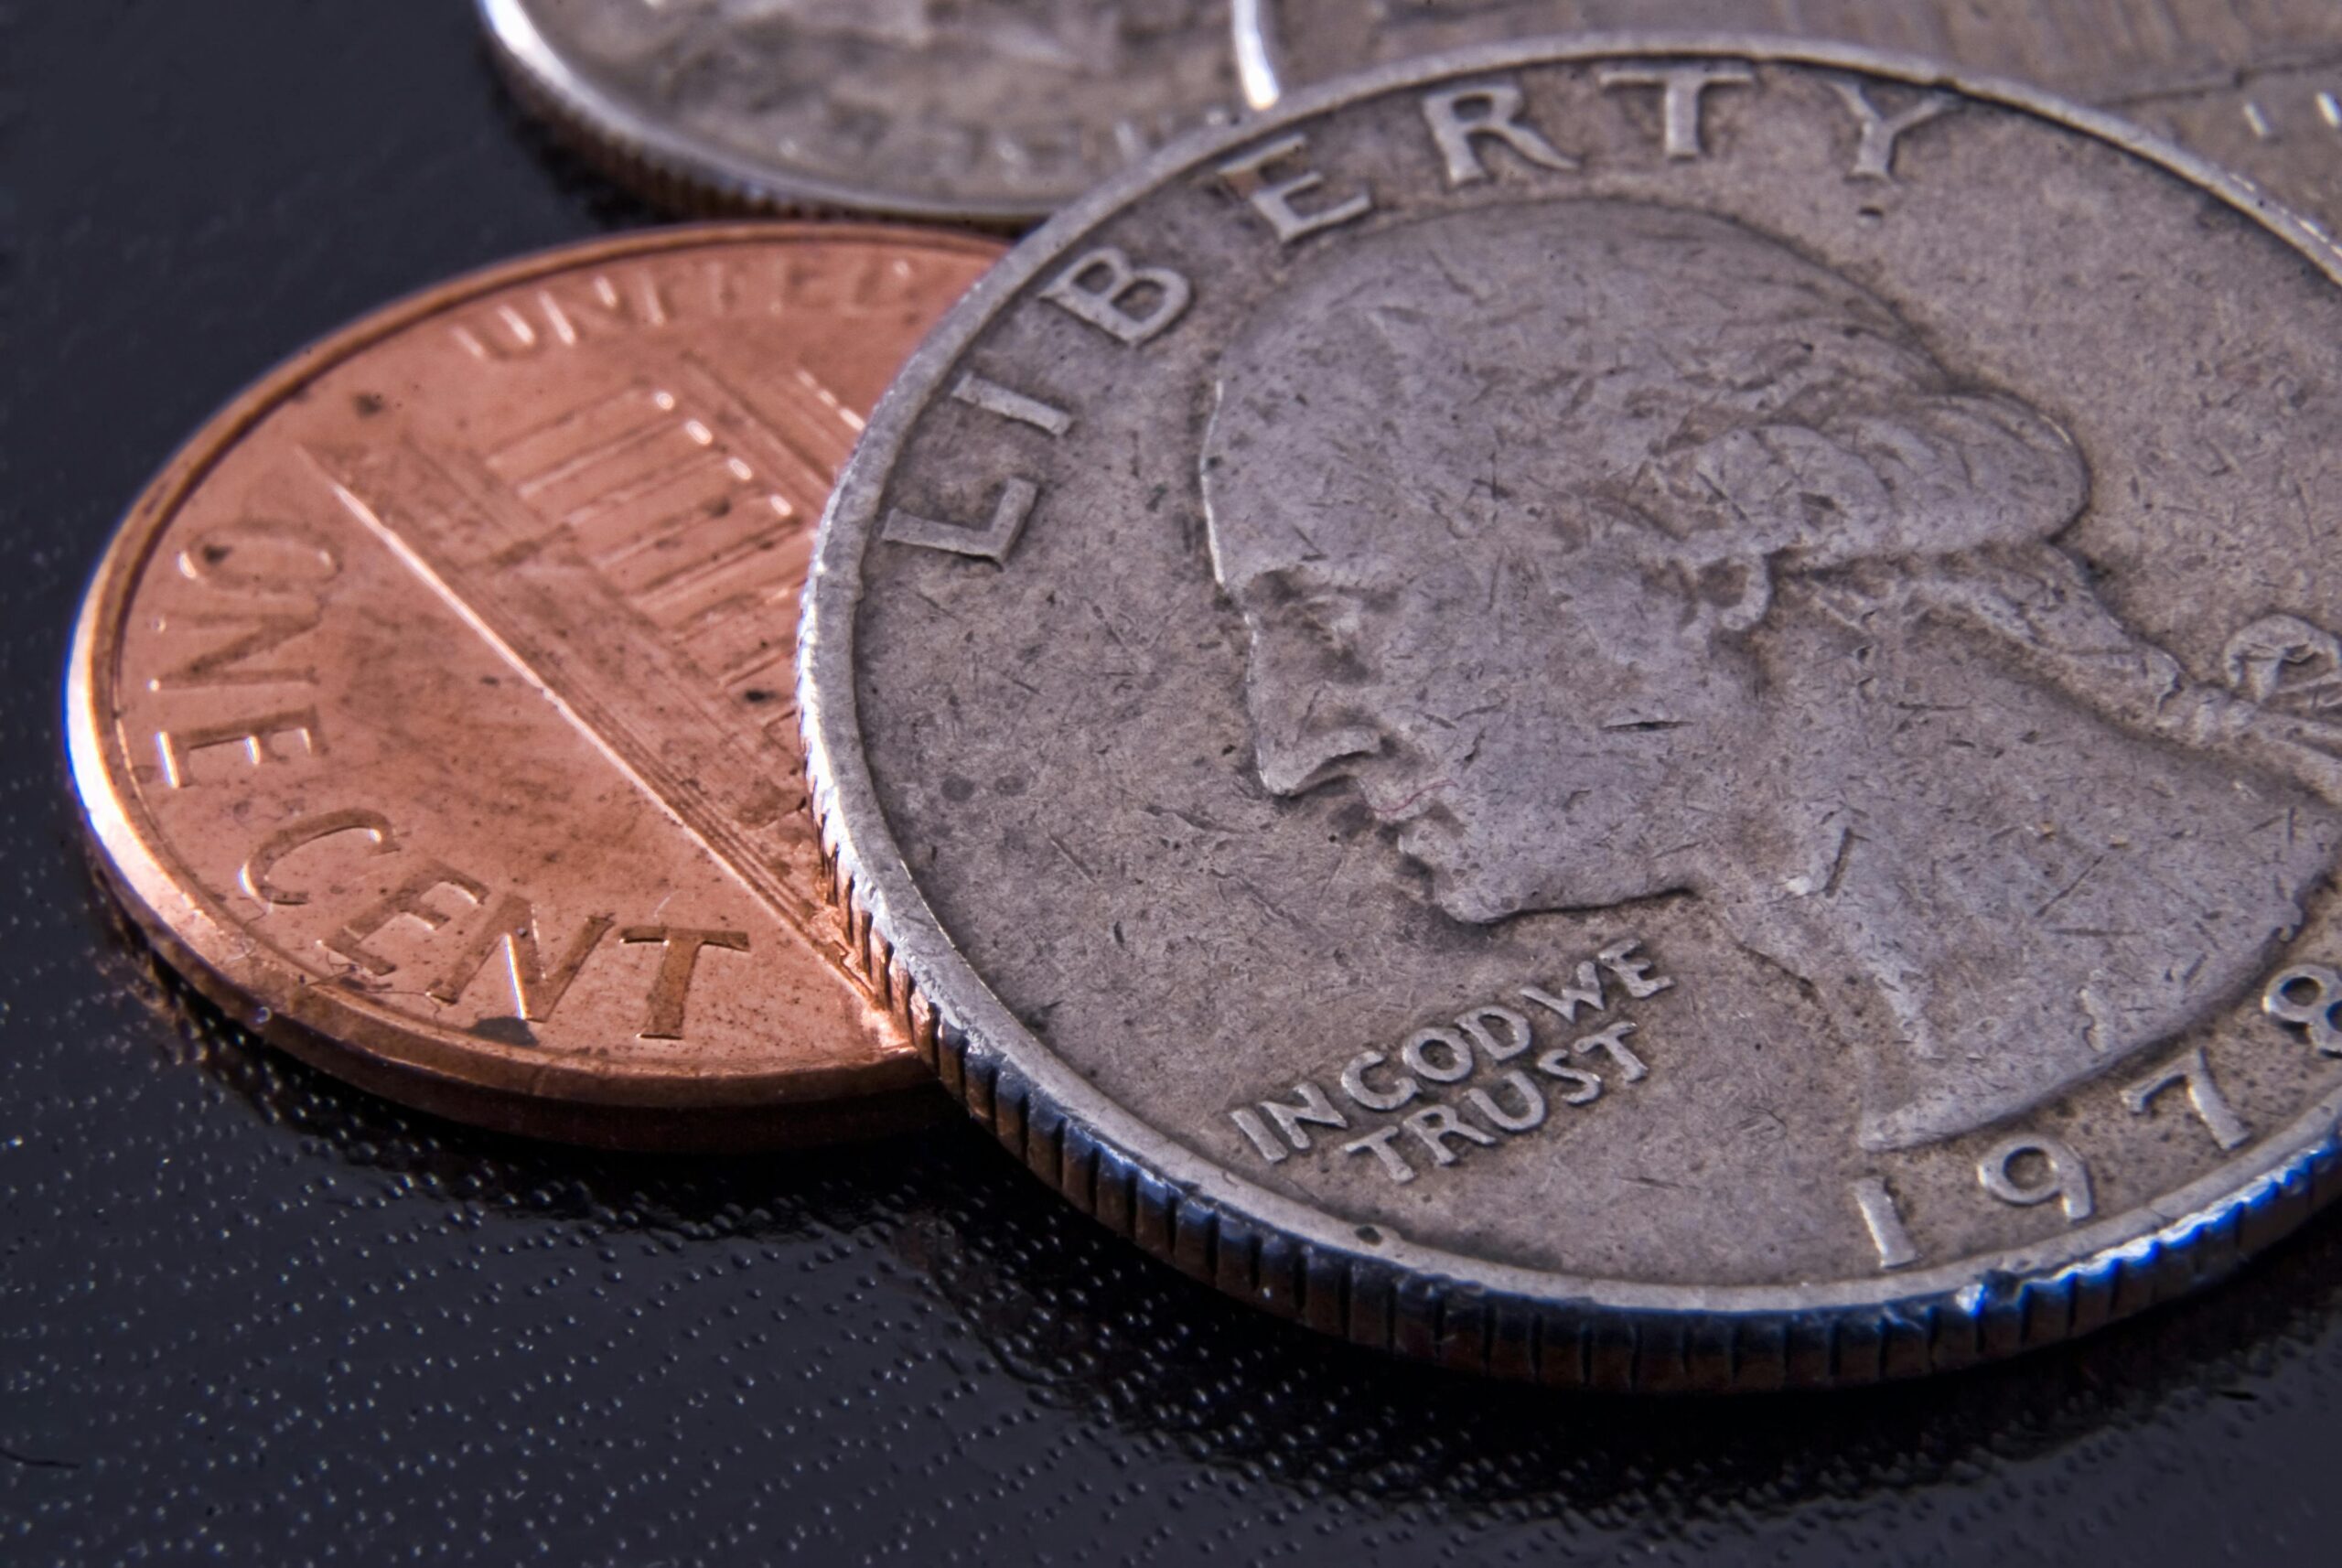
(992, 110)
(1656, 716)
(2254, 85)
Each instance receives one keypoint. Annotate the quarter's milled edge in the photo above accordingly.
(1280, 1255)
(311, 1021)
(680, 172)
(1381, 1304)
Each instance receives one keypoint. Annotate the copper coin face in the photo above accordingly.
(433, 709)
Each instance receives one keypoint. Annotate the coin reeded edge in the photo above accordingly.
(652, 157)
(184, 925)
(1298, 1262)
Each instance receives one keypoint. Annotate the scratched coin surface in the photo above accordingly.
(984, 110)
(2253, 84)
(1597, 713)
(433, 710)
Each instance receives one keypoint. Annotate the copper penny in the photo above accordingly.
(433, 709)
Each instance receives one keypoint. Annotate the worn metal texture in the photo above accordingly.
(995, 111)
(2254, 85)
(247, 1314)
(1583, 710)
(432, 709)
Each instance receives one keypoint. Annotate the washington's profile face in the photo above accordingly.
(1531, 748)
(1522, 629)
(1677, 590)
(1531, 631)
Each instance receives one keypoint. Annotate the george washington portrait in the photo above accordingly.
(1611, 553)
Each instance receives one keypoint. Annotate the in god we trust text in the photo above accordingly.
(1495, 1071)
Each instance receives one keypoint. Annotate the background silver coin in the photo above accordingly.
(1665, 717)
(988, 111)
(2254, 85)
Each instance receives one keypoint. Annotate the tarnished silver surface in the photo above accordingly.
(986, 110)
(2254, 85)
(1664, 717)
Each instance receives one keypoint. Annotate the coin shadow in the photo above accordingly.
(1088, 1325)
(773, 1195)
(1090, 1322)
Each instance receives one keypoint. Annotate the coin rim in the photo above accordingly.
(1259, 43)
(388, 1053)
(1188, 1207)
(663, 160)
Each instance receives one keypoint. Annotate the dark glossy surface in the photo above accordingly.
(248, 1315)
